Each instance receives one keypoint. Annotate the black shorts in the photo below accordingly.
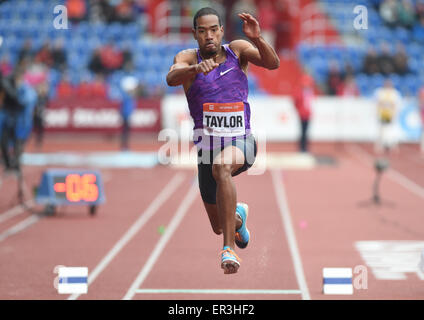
(207, 183)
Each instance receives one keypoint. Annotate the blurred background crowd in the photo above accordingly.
(107, 41)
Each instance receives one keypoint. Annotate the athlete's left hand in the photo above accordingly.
(250, 26)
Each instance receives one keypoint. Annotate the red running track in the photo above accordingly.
(300, 220)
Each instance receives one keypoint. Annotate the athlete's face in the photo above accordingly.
(208, 35)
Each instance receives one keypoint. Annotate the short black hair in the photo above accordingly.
(204, 12)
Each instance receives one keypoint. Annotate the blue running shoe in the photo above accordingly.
(230, 262)
(242, 234)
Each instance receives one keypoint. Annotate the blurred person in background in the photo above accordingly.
(240, 6)
(370, 64)
(421, 110)
(125, 11)
(98, 87)
(95, 64)
(385, 60)
(111, 58)
(77, 10)
(129, 86)
(283, 24)
(406, 13)
(44, 55)
(6, 67)
(419, 9)
(335, 78)
(348, 88)
(64, 88)
(388, 101)
(400, 60)
(36, 75)
(267, 18)
(388, 12)
(92, 88)
(39, 111)
(11, 108)
(26, 51)
(28, 97)
(58, 55)
(302, 99)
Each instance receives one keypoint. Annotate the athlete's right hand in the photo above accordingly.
(206, 66)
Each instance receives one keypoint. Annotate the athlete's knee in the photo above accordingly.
(221, 171)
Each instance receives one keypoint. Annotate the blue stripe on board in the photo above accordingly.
(73, 280)
(337, 280)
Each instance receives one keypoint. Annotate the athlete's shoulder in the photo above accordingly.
(239, 45)
(187, 55)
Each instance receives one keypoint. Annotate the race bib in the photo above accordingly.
(224, 119)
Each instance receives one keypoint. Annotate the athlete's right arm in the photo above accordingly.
(185, 68)
(182, 70)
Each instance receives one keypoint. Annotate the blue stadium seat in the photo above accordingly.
(402, 35)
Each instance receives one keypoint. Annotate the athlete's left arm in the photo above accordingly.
(263, 55)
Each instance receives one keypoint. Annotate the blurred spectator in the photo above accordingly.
(334, 79)
(283, 25)
(400, 60)
(127, 62)
(406, 13)
(141, 6)
(95, 88)
(26, 51)
(17, 105)
(40, 107)
(76, 10)
(125, 11)
(385, 60)
(348, 88)
(388, 12)
(370, 65)
(303, 98)
(98, 87)
(44, 55)
(95, 64)
(27, 96)
(111, 58)
(388, 101)
(5, 65)
(267, 21)
(128, 104)
(122, 11)
(83, 89)
(59, 55)
(419, 8)
(247, 6)
(64, 88)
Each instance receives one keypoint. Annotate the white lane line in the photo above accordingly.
(15, 211)
(217, 291)
(19, 226)
(393, 174)
(289, 231)
(135, 228)
(157, 251)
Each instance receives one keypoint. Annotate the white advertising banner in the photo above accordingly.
(333, 118)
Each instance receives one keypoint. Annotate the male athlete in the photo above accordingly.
(214, 78)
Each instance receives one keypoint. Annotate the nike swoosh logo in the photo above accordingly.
(224, 72)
